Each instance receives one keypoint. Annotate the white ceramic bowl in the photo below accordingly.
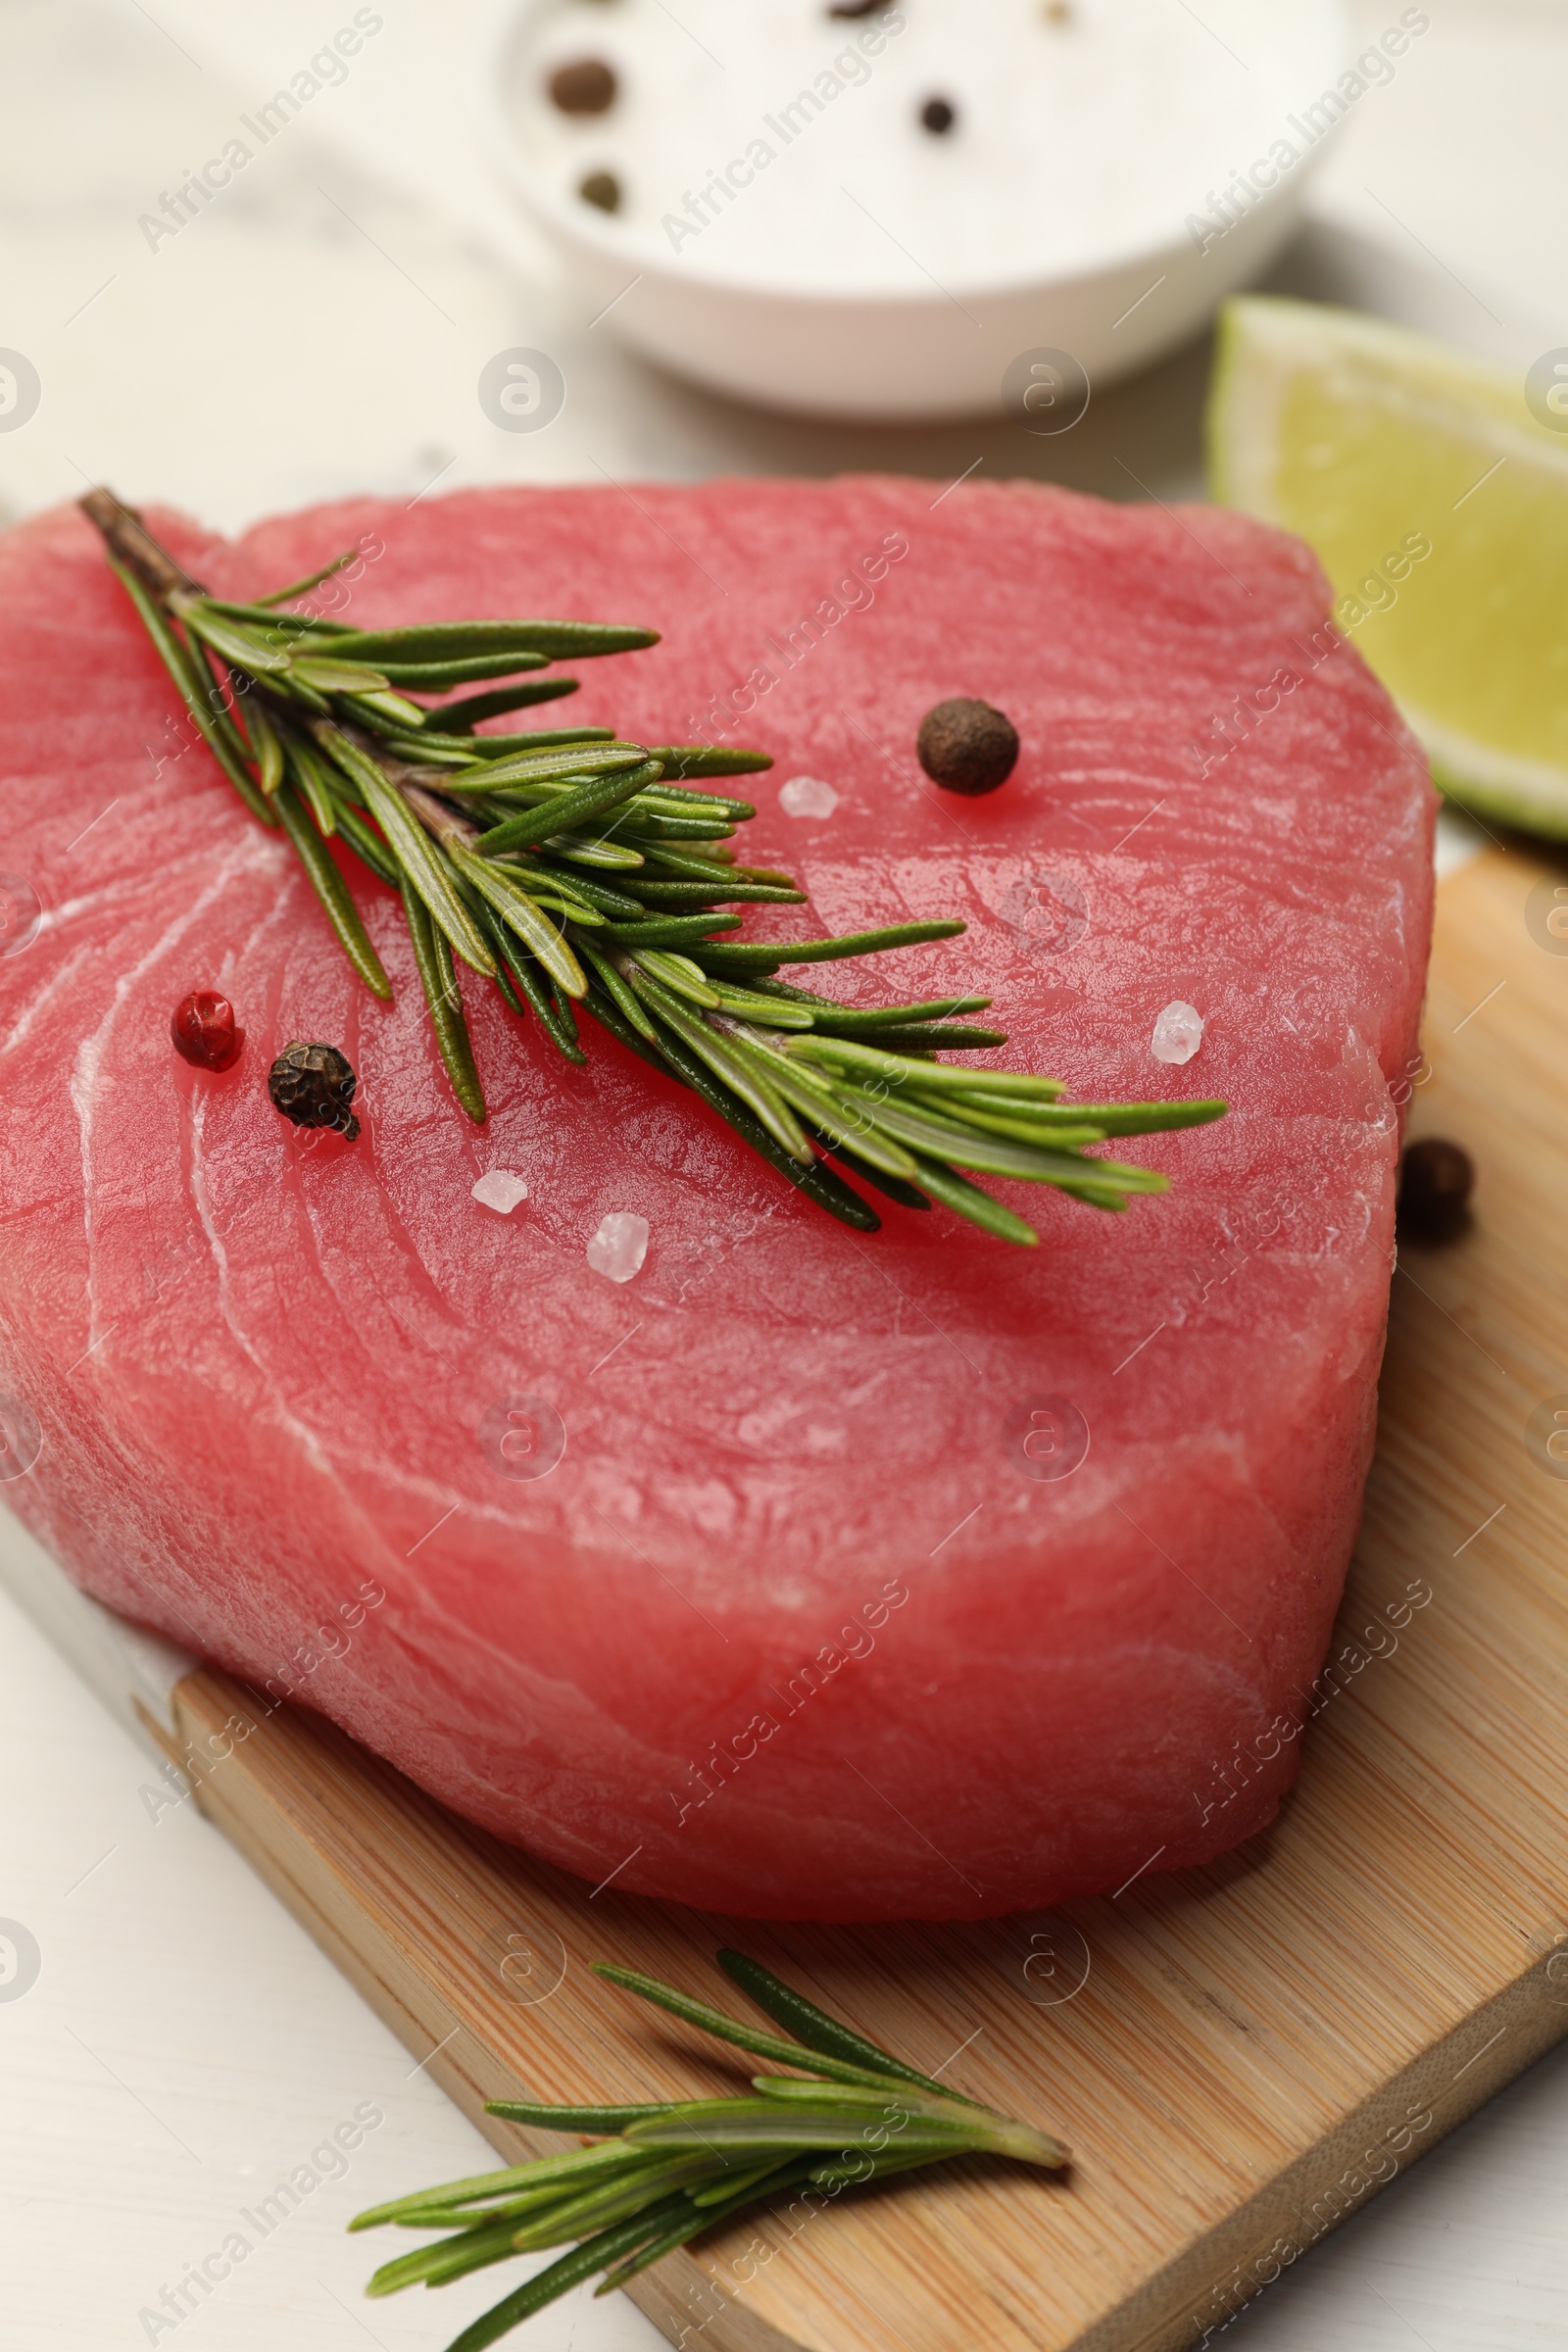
(871, 268)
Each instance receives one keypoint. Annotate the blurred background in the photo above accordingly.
(323, 327)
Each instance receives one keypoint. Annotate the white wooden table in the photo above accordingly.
(183, 2046)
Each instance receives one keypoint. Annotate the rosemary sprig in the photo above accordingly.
(660, 2174)
(573, 870)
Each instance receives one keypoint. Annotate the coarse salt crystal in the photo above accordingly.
(620, 1244)
(808, 795)
(1178, 1032)
(499, 1189)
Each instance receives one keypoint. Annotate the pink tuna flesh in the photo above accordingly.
(807, 1619)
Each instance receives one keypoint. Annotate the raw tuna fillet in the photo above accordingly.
(903, 1576)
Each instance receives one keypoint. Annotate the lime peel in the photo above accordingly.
(1437, 504)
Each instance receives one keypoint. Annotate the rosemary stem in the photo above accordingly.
(433, 959)
(442, 824)
(491, 843)
(678, 2168)
(334, 892)
(195, 695)
(133, 546)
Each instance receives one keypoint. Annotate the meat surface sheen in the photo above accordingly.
(803, 1623)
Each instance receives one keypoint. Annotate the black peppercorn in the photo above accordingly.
(313, 1086)
(1436, 1180)
(601, 188)
(937, 116)
(856, 8)
(587, 87)
(967, 747)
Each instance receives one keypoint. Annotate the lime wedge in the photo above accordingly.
(1437, 504)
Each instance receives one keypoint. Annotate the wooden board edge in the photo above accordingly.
(678, 2295)
(1206, 2288)
(1183, 2304)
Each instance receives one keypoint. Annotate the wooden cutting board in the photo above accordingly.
(1238, 2055)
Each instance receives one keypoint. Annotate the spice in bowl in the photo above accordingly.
(584, 86)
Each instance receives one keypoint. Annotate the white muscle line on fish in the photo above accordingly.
(415, 1258)
(90, 1052)
(294, 1164)
(657, 1571)
(58, 980)
(190, 1254)
(1181, 1571)
(910, 1825)
(201, 1199)
(128, 896)
(291, 1175)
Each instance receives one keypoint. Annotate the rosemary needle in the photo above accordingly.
(661, 2175)
(486, 839)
